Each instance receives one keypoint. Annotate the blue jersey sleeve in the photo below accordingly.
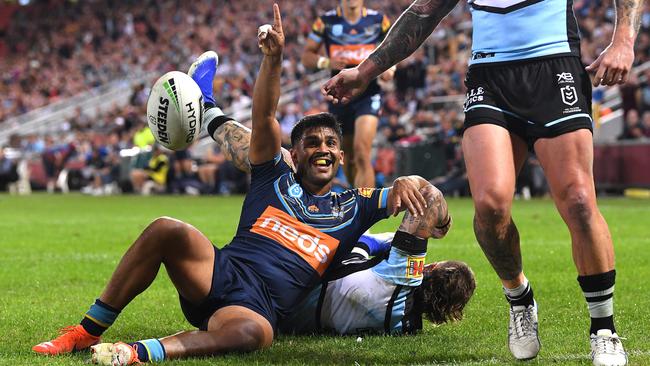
(266, 173)
(372, 203)
(402, 268)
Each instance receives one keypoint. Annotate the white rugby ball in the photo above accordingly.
(175, 110)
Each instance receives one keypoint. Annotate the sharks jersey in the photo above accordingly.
(289, 237)
(510, 30)
(378, 299)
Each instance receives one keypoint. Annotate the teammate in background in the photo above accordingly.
(349, 33)
(291, 230)
(526, 89)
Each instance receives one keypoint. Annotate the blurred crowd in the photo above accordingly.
(54, 49)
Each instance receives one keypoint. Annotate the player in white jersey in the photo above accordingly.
(389, 293)
(527, 90)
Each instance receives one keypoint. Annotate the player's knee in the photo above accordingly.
(579, 208)
(168, 230)
(251, 337)
(492, 208)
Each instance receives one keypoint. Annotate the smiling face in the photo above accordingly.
(317, 157)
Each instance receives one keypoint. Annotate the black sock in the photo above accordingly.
(599, 293)
(520, 296)
(99, 317)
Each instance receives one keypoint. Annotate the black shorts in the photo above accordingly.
(532, 98)
(233, 283)
(347, 114)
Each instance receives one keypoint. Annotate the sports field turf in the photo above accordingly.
(57, 252)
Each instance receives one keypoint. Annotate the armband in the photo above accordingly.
(409, 243)
(217, 118)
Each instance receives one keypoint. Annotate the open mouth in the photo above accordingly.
(322, 162)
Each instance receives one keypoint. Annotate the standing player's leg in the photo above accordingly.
(365, 129)
(493, 157)
(567, 161)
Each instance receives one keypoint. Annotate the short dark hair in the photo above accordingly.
(315, 120)
(446, 290)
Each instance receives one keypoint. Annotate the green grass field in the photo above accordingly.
(57, 252)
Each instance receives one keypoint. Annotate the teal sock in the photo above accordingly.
(150, 350)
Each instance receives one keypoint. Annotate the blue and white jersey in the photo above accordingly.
(511, 30)
(370, 301)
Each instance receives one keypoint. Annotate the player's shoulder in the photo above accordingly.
(373, 14)
(330, 14)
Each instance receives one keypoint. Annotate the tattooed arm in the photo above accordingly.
(407, 34)
(614, 63)
(233, 139)
(435, 222)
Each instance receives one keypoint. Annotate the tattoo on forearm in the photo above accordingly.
(501, 247)
(628, 12)
(410, 31)
(435, 221)
(234, 141)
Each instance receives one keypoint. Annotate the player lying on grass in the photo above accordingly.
(388, 294)
(292, 228)
(395, 278)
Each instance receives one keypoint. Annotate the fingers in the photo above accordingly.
(277, 18)
(397, 206)
(420, 201)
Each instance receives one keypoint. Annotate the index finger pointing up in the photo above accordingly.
(277, 18)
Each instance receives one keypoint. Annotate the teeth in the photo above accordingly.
(321, 162)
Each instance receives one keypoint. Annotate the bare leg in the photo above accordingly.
(567, 161)
(187, 254)
(493, 157)
(365, 129)
(230, 329)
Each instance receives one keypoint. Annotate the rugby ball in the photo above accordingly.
(175, 110)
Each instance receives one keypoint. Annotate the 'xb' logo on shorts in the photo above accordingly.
(312, 245)
(569, 95)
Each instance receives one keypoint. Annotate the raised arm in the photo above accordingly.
(407, 34)
(614, 63)
(266, 135)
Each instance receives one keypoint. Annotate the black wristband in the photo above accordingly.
(216, 122)
(409, 243)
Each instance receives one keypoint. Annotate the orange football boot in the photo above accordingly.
(72, 338)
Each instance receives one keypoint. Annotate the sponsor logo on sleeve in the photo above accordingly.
(366, 192)
(312, 245)
(414, 267)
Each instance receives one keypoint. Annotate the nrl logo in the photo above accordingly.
(569, 95)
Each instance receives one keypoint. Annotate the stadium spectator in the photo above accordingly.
(8, 171)
(153, 177)
(645, 124)
(209, 168)
(632, 128)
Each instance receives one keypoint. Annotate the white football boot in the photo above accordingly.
(114, 354)
(523, 337)
(607, 349)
